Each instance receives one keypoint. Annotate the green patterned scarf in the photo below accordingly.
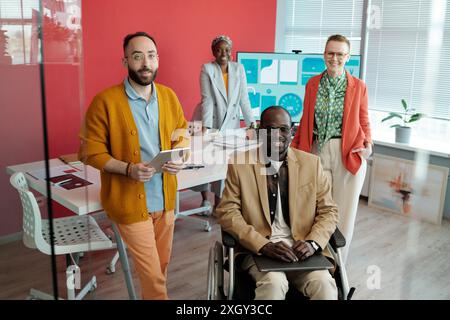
(329, 108)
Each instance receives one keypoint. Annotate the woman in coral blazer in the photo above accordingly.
(335, 125)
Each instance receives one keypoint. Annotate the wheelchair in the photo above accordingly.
(223, 267)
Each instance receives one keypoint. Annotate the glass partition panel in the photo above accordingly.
(402, 222)
(42, 94)
(26, 262)
(64, 93)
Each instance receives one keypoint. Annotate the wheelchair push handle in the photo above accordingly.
(337, 240)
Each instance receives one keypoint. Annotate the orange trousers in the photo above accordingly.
(150, 245)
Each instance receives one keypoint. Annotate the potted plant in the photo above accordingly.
(403, 130)
(58, 39)
(5, 58)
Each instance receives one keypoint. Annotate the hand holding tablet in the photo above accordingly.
(175, 156)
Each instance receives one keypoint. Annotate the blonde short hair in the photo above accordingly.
(339, 38)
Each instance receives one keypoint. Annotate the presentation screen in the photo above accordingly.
(280, 78)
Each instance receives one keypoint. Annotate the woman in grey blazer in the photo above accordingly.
(224, 92)
(224, 89)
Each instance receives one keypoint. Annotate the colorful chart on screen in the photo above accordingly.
(280, 78)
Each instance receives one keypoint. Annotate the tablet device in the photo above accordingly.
(168, 155)
(314, 262)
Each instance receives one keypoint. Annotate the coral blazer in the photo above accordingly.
(355, 122)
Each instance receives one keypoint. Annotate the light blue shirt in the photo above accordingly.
(146, 118)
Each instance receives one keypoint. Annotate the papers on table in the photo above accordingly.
(232, 142)
(233, 138)
(71, 159)
(58, 171)
(65, 176)
(76, 170)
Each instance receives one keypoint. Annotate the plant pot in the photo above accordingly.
(57, 52)
(402, 134)
(5, 59)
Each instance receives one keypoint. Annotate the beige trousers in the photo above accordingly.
(150, 245)
(346, 187)
(317, 285)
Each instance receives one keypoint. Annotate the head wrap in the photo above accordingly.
(220, 38)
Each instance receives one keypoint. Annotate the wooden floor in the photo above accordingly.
(411, 257)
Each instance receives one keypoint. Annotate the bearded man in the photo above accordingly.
(124, 128)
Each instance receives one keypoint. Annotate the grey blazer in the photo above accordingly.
(220, 111)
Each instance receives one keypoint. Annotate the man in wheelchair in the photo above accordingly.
(278, 203)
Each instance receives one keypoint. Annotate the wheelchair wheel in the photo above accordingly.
(215, 273)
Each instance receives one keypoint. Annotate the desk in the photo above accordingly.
(81, 200)
(84, 200)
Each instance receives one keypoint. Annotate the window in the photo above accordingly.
(16, 22)
(408, 56)
(306, 24)
(407, 46)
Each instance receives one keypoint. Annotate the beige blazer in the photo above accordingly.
(219, 109)
(244, 209)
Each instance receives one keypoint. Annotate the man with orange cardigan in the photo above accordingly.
(124, 128)
(335, 125)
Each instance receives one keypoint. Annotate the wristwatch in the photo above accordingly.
(314, 245)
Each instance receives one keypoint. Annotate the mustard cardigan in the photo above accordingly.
(109, 131)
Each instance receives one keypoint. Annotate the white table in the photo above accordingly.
(84, 200)
(81, 200)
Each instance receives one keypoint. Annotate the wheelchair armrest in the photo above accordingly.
(228, 240)
(337, 240)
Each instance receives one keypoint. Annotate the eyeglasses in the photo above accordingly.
(282, 129)
(139, 56)
(339, 55)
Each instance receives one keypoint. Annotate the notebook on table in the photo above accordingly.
(315, 262)
(69, 181)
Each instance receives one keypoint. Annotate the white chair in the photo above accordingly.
(71, 235)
